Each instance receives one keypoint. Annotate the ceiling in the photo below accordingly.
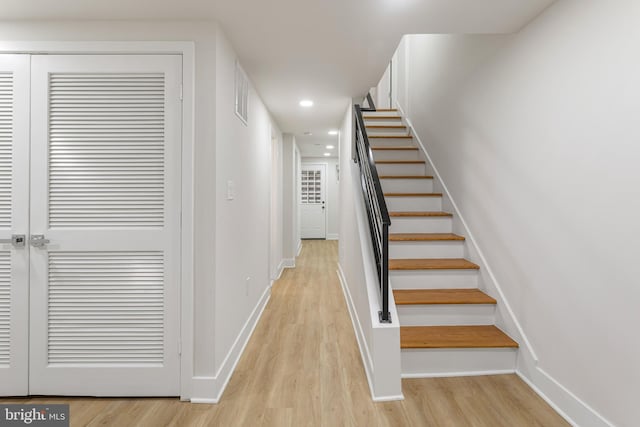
(325, 50)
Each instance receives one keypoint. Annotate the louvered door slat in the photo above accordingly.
(6, 149)
(80, 149)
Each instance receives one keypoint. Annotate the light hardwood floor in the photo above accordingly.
(302, 367)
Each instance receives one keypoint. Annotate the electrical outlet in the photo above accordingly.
(248, 282)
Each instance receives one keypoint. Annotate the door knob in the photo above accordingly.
(38, 241)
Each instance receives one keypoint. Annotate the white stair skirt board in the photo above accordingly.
(422, 224)
(401, 169)
(411, 203)
(443, 249)
(396, 185)
(438, 362)
(379, 155)
(433, 279)
(446, 314)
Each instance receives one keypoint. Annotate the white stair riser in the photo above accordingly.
(401, 169)
(433, 279)
(387, 130)
(414, 203)
(382, 122)
(446, 314)
(447, 249)
(407, 185)
(381, 113)
(396, 155)
(391, 142)
(431, 224)
(439, 362)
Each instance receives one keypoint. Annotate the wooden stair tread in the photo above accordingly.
(367, 117)
(420, 214)
(386, 109)
(395, 148)
(441, 296)
(412, 194)
(400, 162)
(432, 264)
(385, 126)
(406, 177)
(482, 336)
(424, 237)
(390, 137)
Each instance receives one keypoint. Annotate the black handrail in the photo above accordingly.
(376, 206)
(372, 106)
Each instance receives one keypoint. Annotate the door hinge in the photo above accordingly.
(181, 92)
(179, 348)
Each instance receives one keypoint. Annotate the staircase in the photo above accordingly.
(446, 322)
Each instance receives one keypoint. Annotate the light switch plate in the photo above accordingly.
(231, 190)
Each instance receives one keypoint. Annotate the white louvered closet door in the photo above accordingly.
(14, 219)
(105, 191)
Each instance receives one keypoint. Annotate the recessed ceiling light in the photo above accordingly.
(330, 147)
(327, 154)
(306, 103)
(333, 132)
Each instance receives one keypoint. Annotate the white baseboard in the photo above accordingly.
(459, 374)
(573, 409)
(387, 398)
(299, 248)
(289, 263)
(203, 386)
(332, 236)
(210, 389)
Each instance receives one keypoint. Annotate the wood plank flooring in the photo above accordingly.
(302, 367)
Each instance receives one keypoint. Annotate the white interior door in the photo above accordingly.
(14, 220)
(105, 196)
(313, 212)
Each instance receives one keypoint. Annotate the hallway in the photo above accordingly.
(302, 367)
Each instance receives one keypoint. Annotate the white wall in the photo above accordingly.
(383, 89)
(296, 173)
(243, 155)
(276, 216)
(536, 137)
(289, 200)
(333, 199)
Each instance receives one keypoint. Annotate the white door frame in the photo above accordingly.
(187, 51)
(275, 198)
(325, 190)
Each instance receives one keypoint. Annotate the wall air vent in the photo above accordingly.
(242, 93)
